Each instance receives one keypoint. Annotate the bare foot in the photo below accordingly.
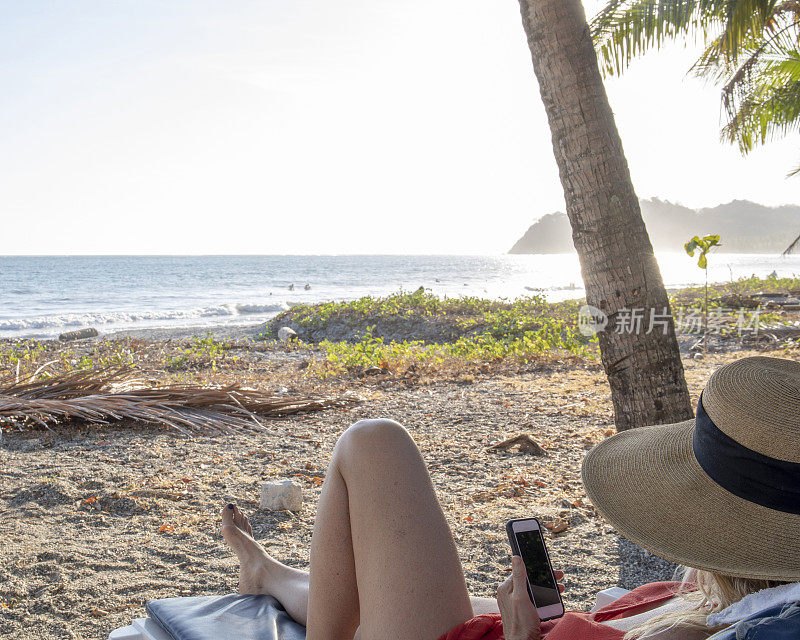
(255, 564)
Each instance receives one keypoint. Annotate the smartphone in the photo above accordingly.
(525, 536)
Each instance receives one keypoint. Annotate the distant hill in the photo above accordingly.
(745, 227)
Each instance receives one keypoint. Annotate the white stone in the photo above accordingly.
(285, 494)
(285, 334)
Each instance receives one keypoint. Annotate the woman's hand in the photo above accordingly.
(520, 620)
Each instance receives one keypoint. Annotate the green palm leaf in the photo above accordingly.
(752, 48)
(624, 29)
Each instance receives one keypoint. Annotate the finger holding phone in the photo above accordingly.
(532, 593)
(520, 620)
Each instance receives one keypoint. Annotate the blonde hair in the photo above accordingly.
(714, 593)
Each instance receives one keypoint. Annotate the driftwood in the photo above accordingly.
(525, 443)
(80, 334)
(106, 395)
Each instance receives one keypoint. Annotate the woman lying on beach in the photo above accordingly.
(720, 494)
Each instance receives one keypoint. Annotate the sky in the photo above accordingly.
(318, 127)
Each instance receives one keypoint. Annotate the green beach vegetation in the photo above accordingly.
(520, 331)
(200, 350)
(703, 246)
(471, 330)
(735, 293)
(406, 331)
(402, 334)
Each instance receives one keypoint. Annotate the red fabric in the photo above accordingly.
(483, 627)
(574, 625)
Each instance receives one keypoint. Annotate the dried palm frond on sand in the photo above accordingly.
(105, 395)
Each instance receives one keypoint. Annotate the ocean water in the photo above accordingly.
(43, 296)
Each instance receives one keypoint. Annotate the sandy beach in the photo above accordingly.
(233, 230)
(98, 520)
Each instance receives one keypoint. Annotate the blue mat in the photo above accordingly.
(231, 617)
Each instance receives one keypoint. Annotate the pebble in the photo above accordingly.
(281, 495)
(286, 334)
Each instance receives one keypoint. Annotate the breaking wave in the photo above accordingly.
(127, 318)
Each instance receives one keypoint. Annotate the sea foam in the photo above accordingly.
(134, 317)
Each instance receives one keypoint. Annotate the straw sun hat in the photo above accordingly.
(720, 492)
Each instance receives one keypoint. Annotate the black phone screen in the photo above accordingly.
(544, 587)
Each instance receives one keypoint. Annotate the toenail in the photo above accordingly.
(230, 505)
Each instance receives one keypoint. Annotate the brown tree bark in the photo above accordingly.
(619, 269)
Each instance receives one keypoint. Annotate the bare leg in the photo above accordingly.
(382, 554)
(260, 573)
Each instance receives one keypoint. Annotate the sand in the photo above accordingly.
(95, 521)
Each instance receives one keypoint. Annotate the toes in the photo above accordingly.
(227, 514)
(233, 516)
(238, 516)
(234, 536)
(241, 521)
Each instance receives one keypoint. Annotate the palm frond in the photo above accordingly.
(764, 106)
(107, 395)
(796, 243)
(743, 19)
(752, 48)
(624, 29)
(769, 54)
(719, 67)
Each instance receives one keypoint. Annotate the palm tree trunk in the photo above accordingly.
(619, 269)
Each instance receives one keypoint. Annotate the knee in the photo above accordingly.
(371, 436)
(374, 451)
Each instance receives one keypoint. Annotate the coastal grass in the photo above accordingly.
(408, 335)
(407, 356)
(201, 350)
(496, 316)
(734, 304)
(480, 331)
(735, 292)
(491, 331)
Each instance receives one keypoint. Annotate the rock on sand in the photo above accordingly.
(285, 334)
(277, 496)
